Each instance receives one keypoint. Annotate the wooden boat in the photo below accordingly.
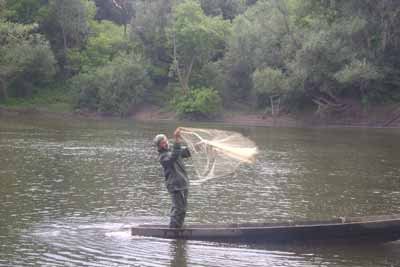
(359, 229)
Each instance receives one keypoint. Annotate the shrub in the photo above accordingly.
(199, 103)
(26, 60)
(114, 88)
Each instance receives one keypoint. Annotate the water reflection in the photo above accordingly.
(179, 255)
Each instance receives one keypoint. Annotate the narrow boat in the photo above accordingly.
(359, 229)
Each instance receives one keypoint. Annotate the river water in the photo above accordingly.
(71, 189)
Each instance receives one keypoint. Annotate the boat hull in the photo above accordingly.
(362, 229)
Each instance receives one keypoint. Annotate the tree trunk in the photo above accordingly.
(3, 89)
(188, 72)
(64, 39)
(184, 81)
(275, 108)
(265, 112)
(278, 108)
(62, 26)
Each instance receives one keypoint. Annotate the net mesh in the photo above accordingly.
(217, 153)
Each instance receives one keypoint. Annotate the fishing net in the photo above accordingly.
(217, 153)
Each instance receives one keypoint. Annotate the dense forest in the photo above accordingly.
(199, 57)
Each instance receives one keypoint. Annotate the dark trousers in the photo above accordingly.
(178, 209)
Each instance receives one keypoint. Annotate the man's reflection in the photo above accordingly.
(178, 253)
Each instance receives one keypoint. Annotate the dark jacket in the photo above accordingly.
(175, 174)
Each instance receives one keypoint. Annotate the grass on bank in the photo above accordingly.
(47, 99)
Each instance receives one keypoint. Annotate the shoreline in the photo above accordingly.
(154, 115)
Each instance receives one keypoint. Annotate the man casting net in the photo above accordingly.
(217, 153)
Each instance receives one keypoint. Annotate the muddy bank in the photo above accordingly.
(378, 116)
(383, 116)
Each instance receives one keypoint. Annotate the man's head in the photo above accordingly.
(161, 141)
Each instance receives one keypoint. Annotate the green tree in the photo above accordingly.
(314, 43)
(355, 32)
(115, 88)
(228, 9)
(106, 41)
(361, 75)
(24, 11)
(71, 18)
(126, 11)
(66, 25)
(264, 36)
(196, 39)
(2, 8)
(118, 11)
(273, 84)
(25, 57)
(149, 29)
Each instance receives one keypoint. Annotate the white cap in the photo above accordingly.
(158, 139)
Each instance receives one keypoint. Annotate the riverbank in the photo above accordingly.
(375, 117)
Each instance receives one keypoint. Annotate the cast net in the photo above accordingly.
(217, 153)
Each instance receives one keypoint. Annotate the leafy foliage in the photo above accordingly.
(270, 82)
(311, 52)
(228, 9)
(322, 47)
(71, 18)
(259, 39)
(106, 41)
(117, 11)
(24, 11)
(199, 103)
(66, 25)
(197, 39)
(358, 72)
(149, 31)
(25, 59)
(114, 88)
(361, 75)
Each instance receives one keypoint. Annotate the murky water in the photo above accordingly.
(70, 190)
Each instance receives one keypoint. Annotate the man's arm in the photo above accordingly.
(185, 153)
(170, 158)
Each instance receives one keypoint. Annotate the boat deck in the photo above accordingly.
(374, 228)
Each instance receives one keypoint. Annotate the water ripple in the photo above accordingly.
(69, 194)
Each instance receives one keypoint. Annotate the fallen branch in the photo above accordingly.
(326, 106)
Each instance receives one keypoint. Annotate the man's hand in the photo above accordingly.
(177, 134)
